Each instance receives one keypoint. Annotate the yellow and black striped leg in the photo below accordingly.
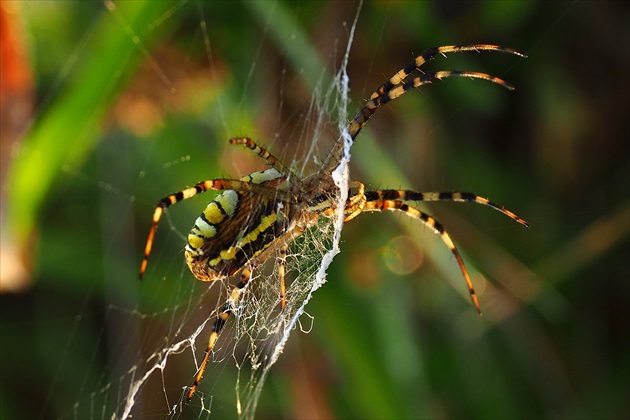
(395, 205)
(217, 327)
(363, 115)
(282, 264)
(403, 81)
(271, 160)
(201, 187)
(406, 195)
(430, 54)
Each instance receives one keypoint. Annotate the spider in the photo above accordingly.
(260, 214)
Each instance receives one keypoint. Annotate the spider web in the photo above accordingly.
(154, 341)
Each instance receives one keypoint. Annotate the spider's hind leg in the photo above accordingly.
(217, 327)
(282, 265)
(201, 187)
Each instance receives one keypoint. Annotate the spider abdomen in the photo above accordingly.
(234, 228)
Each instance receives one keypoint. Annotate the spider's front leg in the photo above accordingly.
(462, 197)
(396, 205)
(393, 200)
(429, 54)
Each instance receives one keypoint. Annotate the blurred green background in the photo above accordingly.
(114, 106)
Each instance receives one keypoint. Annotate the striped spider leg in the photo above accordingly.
(405, 80)
(394, 200)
